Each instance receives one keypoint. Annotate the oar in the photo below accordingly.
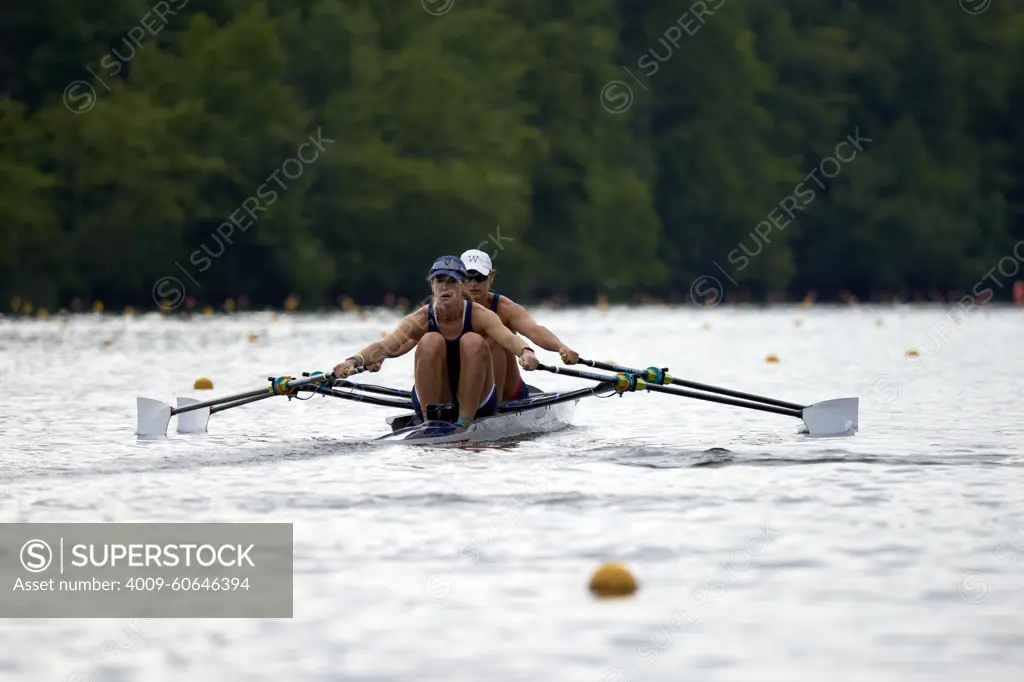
(196, 422)
(626, 381)
(556, 398)
(838, 417)
(278, 386)
(359, 397)
(245, 401)
(153, 415)
(621, 382)
(661, 376)
(370, 388)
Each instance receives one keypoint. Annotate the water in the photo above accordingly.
(761, 555)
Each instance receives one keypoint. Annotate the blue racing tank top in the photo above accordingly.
(452, 353)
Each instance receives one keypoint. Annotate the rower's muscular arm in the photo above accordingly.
(490, 324)
(399, 342)
(520, 322)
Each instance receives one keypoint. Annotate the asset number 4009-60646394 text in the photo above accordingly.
(205, 584)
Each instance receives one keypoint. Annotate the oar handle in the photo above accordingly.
(355, 370)
(621, 381)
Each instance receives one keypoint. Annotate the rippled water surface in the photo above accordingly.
(761, 555)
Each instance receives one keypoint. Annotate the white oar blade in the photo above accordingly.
(153, 417)
(194, 421)
(837, 417)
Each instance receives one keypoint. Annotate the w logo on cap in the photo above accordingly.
(477, 260)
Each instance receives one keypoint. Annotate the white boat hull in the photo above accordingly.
(500, 427)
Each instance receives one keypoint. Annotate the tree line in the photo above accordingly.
(185, 153)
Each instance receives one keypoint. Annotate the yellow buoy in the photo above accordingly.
(42, 313)
(27, 308)
(291, 302)
(97, 306)
(229, 305)
(772, 358)
(612, 580)
(203, 384)
(208, 311)
(912, 353)
(253, 338)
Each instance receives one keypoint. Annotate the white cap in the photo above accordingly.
(477, 260)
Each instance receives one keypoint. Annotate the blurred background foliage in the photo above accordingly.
(130, 130)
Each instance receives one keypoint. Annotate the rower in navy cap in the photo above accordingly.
(450, 334)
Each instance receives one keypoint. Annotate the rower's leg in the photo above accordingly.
(476, 374)
(499, 361)
(432, 370)
(512, 376)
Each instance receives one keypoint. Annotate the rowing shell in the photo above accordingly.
(514, 423)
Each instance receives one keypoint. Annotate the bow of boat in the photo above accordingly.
(516, 423)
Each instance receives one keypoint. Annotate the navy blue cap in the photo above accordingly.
(448, 265)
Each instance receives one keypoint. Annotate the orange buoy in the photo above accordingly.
(612, 580)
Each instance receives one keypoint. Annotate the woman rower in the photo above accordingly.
(452, 357)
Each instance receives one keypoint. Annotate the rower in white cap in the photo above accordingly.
(479, 278)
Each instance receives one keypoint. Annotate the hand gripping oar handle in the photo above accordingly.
(626, 381)
(661, 376)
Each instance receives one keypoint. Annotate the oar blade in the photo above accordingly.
(831, 418)
(152, 418)
(194, 421)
